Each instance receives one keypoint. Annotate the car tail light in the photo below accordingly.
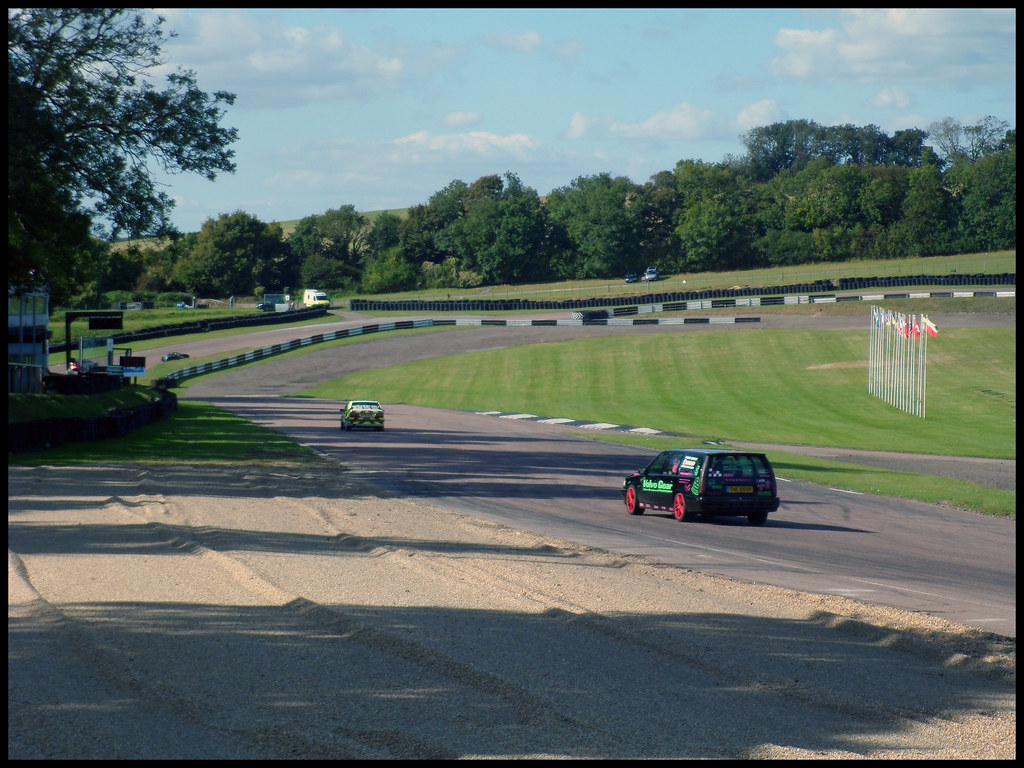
(703, 488)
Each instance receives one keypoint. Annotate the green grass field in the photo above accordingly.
(798, 387)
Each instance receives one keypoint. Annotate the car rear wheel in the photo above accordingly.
(680, 510)
(632, 505)
(757, 518)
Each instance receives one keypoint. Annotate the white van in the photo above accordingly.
(314, 298)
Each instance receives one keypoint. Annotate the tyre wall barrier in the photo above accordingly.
(765, 292)
(31, 436)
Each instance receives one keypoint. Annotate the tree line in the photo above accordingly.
(84, 125)
(802, 193)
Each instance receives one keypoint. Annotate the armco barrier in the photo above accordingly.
(274, 349)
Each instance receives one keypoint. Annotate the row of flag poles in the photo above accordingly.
(897, 357)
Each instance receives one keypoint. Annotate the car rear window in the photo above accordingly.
(739, 467)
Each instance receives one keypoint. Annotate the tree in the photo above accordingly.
(881, 198)
(986, 137)
(83, 126)
(987, 202)
(388, 271)
(658, 242)
(510, 243)
(159, 262)
(277, 265)
(957, 142)
(383, 233)
(714, 224)
(833, 196)
(446, 212)
(906, 147)
(711, 233)
(773, 148)
(335, 240)
(321, 272)
(602, 219)
(233, 254)
(421, 233)
(923, 228)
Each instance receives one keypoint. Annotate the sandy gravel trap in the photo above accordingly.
(188, 612)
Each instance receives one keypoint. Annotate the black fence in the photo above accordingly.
(30, 436)
(211, 324)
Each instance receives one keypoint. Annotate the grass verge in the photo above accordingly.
(37, 407)
(198, 433)
(768, 386)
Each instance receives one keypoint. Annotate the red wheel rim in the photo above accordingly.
(679, 506)
(630, 499)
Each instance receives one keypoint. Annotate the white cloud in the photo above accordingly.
(423, 146)
(893, 98)
(461, 119)
(807, 48)
(579, 124)
(683, 121)
(272, 65)
(523, 43)
(760, 113)
(941, 47)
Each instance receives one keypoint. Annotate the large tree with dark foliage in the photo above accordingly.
(234, 254)
(84, 126)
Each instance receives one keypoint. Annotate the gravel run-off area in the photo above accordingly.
(286, 612)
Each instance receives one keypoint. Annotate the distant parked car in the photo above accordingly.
(651, 274)
(174, 356)
(632, 276)
(266, 306)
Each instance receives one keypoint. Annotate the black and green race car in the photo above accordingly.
(692, 483)
(362, 413)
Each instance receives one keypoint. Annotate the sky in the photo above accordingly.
(379, 108)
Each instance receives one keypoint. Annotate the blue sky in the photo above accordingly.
(382, 108)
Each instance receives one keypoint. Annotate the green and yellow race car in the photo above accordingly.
(362, 413)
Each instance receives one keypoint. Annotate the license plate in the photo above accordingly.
(740, 489)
